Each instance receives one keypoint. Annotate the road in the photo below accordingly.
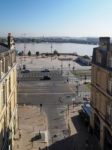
(54, 95)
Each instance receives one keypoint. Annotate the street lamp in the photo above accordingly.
(51, 51)
(69, 66)
(73, 69)
(77, 87)
(61, 67)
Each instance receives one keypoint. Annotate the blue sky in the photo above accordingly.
(56, 17)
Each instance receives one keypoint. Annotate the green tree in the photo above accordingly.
(55, 52)
(29, 53)
(20, 53)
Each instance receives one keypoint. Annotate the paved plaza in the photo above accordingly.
(38, 63)
(31, 123)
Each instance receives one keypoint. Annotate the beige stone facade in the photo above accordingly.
(8, 96)
(101, 94)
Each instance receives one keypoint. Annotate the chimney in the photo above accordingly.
(104, 43)
(10, 41)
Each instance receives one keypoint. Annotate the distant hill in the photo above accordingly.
(80, 40)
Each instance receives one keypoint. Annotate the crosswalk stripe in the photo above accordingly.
(45, 93)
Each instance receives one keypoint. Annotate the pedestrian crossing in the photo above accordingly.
(37, 75)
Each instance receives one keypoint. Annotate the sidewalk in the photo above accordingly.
(79, 131)
(32, 133)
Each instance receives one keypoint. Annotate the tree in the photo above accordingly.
(29, 53)
(20, 53)
(55, 52)
(37, 53)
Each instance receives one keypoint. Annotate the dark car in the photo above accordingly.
(45, 70)
(46, 78)
(25, 71)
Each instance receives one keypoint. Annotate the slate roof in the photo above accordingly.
(3, 47)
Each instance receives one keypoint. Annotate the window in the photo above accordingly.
(2, 61)
(110, 62)
(9, 85)
(9, 111)
(98, 77)
(110, 85)
(2, 98)
(109, 111)
(4, 94)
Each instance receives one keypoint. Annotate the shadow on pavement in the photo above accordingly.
(81, 140)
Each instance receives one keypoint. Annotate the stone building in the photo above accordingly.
(8, 94)
(101, 97)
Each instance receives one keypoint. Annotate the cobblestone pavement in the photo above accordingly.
(32, 133)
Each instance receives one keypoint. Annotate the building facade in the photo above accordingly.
(8, 94)
(101, 93)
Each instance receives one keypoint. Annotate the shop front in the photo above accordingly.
(97, 127)
(107, 140)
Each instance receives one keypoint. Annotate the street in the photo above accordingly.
(55, 98)
(54, 95)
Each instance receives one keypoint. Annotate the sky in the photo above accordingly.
(71, 18)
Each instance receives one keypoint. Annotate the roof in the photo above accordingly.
(87, 109)
(3, 48)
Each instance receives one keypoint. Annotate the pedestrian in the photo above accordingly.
(20, 68)
(60, 100)
(18, 81)
(87, 145)
(73, 104)
(19, 135)
(90, 130)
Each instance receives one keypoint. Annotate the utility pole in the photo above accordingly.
(24, 50)
(24, 47)
(61, 67)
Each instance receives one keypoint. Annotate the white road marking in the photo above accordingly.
(45, 93)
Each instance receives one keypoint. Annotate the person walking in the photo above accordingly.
(87, 145)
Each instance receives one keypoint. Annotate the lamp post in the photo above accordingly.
(61, 67)
(77, 87)
(69, 66)
(51, 51)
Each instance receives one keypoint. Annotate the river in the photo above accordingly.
(80, 49)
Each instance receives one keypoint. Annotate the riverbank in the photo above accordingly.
(80, 49)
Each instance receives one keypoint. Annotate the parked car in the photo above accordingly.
(46, 78)
(45, 70)
(25, 71)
